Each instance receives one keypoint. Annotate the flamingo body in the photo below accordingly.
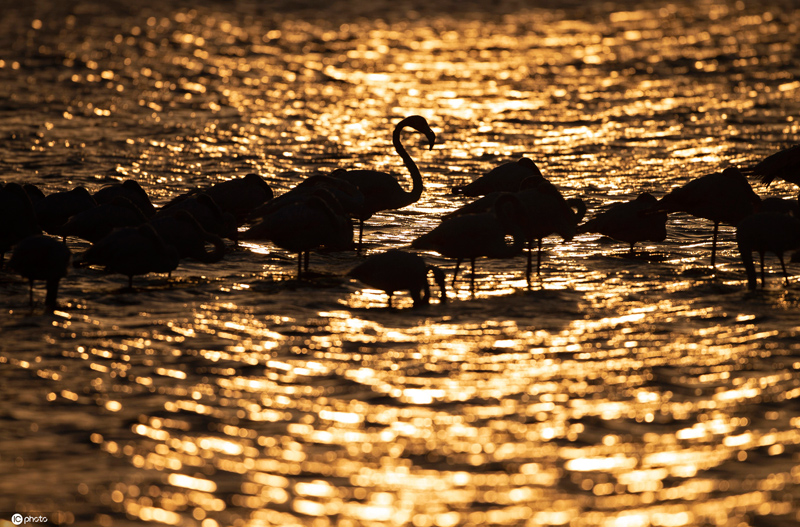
(766, 232)
(507, 177)
(41, 257)
(396, 270)
(630, 222)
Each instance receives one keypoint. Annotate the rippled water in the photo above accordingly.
(614, 392)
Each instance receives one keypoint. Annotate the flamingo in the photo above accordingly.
(129, 189)
(766, 232)
(238, 196)
(507, 177)
(206, 211)
(630, 221)
(96, 223)
(41, 257)
(347, 194)
(547, 212)
(183, 232)
(474, 235)
(396, 270)
(132, 251)
(55, 209)
(305, 225)
(17, 217)
(722, 197)
(784, 164)
(381, 190)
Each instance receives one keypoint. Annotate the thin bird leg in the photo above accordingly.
(714, 246)
(455, 273)
(305, 260)
(130, 281)
(632, 252)
(390, 299)
(763, 280)
(529, 267)
(299, 264)
(539, 259)
(472, 277)
(30, 290)
(783, 266)
(360, 235)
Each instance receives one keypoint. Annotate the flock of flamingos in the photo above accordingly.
(514, 206)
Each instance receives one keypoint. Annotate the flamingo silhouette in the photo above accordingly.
(630, 221)
(347, 194)
(130, 190)
(183, 232)
(55, 209)
(132, 251)
(766, 232)
(396, 270)
(205, 210)
(546, 212)
(784, 164)
(96, 223)
(381, 190)
(507, 177)
(304, 225)
(17, 217)
(41, 257)
(474, 235)
(722, 197)
(238, 196)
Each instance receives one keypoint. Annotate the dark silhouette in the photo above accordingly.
(630, 222)
(722, 197)
(238, 196)
(55, 209)
(17, 217)
(130, 190)
(96, 223)
(507, 177)
(41, 257)
(474, 235)
(188, 237)
(205, 210)
(396, 270)
(766, 232)
(381, 190)
(784, 165)
(305, 225)
(132, 251)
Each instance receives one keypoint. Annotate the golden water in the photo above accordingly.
(615, 392)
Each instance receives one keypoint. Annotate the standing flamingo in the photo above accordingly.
(722, 197)
(507, 177)
(396, 270)
(474, 235)
(766, 232)
(305, 225)
(381, 190)
(41, 257)
(630, 221)
(17, 217)
(784, 165)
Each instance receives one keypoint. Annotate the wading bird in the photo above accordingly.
(381, 190)
(507, 177)
(766, 232)
(132, 251)
(784, 165)
(41, 257)
(237, 196)
(474, 235)
(722, 197)
(17, 217)
(630, 222)
(130, 190)
(305, 225)
(396, 270)
(189, 238)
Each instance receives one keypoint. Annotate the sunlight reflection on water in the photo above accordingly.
(615, 391)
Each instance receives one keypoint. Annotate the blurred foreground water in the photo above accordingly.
(616, 391)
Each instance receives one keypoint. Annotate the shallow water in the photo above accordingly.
(616, 391)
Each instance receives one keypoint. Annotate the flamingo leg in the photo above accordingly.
(783, 266)
(305, 260)
(539, 258)
(472, 277)
(299, 264)
(529, 267)
(390, 299)
(30, 291)
(130, 281)
(360, 235)
(714, 246)
(763, 281)
(455, 273)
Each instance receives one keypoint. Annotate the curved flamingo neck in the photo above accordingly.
(416, 176)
